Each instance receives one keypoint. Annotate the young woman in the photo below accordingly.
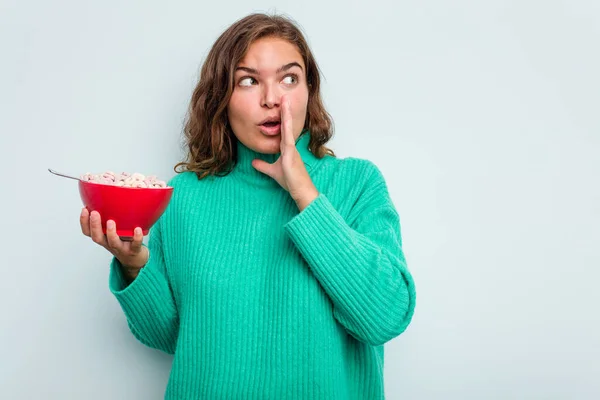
(277, 270)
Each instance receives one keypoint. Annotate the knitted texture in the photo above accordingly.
(257, 300)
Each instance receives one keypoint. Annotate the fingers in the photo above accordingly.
(136, 244)
(84, 221)
(92, 226)
(113, 240)
(287, 130)
(264, 167)
(96, 229)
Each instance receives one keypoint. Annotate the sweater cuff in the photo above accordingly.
(116, 281)
(313, 216)
(133, 297)
(318, 232)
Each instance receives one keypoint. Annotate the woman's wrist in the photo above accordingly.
(131, 271)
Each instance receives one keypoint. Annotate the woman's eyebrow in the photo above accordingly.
(280, 69)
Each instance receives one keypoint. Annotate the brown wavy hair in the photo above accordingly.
(211, 144)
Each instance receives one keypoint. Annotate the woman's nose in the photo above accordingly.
(271, 97)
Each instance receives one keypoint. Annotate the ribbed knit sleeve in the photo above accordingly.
(359, 261)
(148, 302)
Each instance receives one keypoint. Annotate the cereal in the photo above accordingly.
(124, 179)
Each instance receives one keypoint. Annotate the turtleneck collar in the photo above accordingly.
(245, 155)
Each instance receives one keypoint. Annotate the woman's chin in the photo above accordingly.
(269, 144)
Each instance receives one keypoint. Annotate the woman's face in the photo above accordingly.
(271, 68)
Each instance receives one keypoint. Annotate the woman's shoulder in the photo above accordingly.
(354, 168)
(350, 177)
(182, 179)
(184, 184)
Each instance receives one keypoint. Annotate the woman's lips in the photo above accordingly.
(270, 129)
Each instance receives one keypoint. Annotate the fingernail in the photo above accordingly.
(110, 224)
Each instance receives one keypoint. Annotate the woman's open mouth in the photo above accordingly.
(271, 128)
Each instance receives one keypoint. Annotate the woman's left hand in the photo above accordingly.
(289, 170)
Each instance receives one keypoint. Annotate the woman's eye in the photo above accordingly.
(290, 79)
(247, 81)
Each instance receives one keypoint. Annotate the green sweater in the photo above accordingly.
(257, 300)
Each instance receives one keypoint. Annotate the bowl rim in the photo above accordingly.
(123, 187)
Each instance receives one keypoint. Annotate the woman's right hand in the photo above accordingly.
(132, 255)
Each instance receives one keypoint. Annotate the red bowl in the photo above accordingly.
(128, 207)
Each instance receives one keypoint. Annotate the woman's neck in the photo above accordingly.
(244, 169)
